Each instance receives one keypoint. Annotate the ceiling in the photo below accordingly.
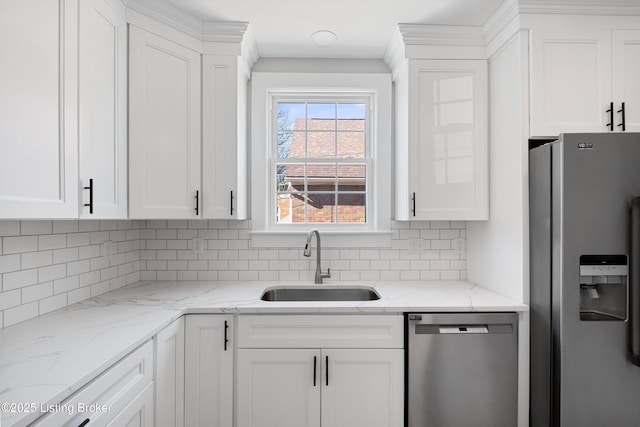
(283, 28)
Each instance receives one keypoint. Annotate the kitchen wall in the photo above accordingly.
(47, 265)
(167, 255)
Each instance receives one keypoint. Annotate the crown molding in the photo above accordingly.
(504, 15)
(224, 37)
(580, 7)
(224, 31)
(169, 15)
(441, 35)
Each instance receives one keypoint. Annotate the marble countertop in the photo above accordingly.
(45, 360)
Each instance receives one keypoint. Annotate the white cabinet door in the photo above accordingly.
(447, 156)
(139, 413)
(208, 370)
(224, 137)
(103, 109)
(363, 387)
(169, 375)
(164, 128)
(570, 81)
(278, 388)
(626, 84)
(39, 109)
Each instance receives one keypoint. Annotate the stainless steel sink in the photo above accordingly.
(320, 293)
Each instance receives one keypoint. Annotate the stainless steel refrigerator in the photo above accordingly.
(585, 294)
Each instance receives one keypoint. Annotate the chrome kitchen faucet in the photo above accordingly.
(307, 253)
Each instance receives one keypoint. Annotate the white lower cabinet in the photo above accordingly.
(138, 413)
(169, 375)
(358, 385)
(122, 395)
(208, 370)
(277, 387)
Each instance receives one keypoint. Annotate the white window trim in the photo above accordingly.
(265, 85)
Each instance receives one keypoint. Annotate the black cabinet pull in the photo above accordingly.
(226, 336)
(315, 369)
(231, 202)
(197, 203)
(610, 111)
(413, 202)
(84, 423)
(327, 371)
(90, 188)
(623, 124)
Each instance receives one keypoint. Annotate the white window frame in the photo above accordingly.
(267, 88)
(320, 97)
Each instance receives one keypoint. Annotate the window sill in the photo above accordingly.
(330, 239)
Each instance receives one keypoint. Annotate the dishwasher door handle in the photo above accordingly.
(467, 329)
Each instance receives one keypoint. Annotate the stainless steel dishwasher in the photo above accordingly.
(461, 370)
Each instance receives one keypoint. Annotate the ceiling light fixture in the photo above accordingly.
(323, 38)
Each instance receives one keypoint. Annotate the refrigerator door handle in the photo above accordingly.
(634, 291)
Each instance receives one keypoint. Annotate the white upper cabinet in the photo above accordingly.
(626, 81)
(224, 137)
(164, 128)
(441, 129)
(103, 109)
(39, 109)
(581, 76)
(448, 139)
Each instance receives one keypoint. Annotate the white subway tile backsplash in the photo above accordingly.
(10, 299)
(15, 245)
(46, 265)
(36, 227)
(52, 303)
(36, 259)
(37, 292)
(19, 279)
(9, 228)
(9, 263)
(20, 313)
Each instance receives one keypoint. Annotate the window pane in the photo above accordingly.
(290, 208)
(321, 208)
(351, 116)
(321, 177)
(289, 177)
(352, 178)
(290, 116)
(352, 208)
(321, 144)
(283, 144)
(321, 110)
(296, 149)
(351, 145)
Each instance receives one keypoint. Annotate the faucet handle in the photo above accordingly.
(326, 275)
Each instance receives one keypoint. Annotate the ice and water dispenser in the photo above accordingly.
(603, 287)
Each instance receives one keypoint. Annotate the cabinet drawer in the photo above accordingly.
(325, 331)
(106, 396)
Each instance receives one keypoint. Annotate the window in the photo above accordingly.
(320, 160)
(321, 147)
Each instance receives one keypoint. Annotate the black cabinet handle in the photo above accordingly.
(197, 203)
(315, 369)
(90, 188)
(327, 371)
(84, 423)
(610, 111)
(623, 124)
(231, 202)
(413, 202)
(226, 336)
